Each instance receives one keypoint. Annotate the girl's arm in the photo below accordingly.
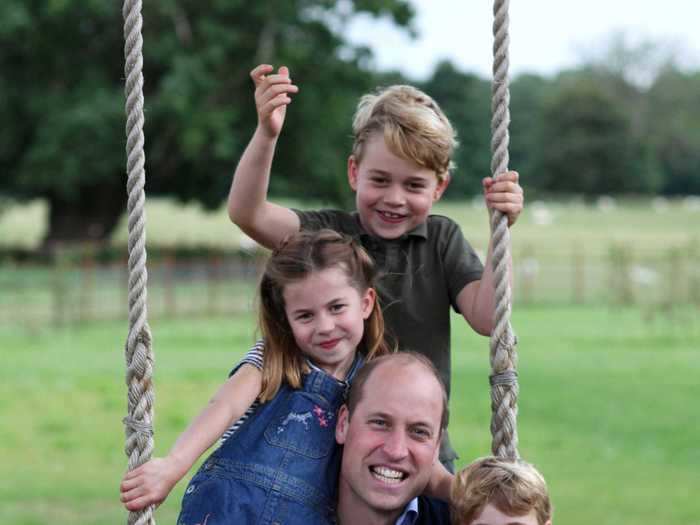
(151, 483)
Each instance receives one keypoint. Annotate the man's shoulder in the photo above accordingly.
(432, 511)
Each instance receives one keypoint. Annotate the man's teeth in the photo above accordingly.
(387, 474)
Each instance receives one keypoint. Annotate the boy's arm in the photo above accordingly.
(440, 483)
(151, 483)
(248, 207)
(477, 300)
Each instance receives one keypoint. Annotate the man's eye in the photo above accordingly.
(377, 423)
(421, 433)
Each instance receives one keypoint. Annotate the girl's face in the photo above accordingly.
(327, 317)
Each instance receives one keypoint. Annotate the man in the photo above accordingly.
(391, 428)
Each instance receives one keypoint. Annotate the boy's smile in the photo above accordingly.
(393, 194)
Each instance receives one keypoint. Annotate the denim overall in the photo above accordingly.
(281, 467)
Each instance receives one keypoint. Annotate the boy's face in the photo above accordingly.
(492, 516)
(393, 195)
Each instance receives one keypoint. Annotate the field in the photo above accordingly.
(608, 391)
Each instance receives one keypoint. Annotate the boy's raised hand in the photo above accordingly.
(503, 193)
(272, 92)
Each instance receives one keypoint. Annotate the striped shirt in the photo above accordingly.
(253, 357)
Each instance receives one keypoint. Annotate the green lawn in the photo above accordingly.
(607, 411)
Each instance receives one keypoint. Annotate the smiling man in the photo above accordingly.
(390, 429)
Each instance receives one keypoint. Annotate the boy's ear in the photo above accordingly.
(441, 187)
(341, 427)
(352, 172)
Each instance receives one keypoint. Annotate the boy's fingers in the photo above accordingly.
(284, 71)
(258, 73)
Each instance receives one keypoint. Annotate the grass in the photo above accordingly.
(607, 411)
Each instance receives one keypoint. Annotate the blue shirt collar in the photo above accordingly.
(409, 514)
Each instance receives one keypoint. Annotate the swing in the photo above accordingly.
(138, 352)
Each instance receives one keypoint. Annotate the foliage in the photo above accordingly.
(61, 99)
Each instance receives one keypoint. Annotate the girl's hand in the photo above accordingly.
(271, 97)
(149, 484)
(503, 193)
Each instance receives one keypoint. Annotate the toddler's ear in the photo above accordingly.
(352, 172)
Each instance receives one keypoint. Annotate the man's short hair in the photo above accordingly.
(403, 358)
(513, 486)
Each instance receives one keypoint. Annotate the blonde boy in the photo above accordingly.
(496, 491)
(399, 167)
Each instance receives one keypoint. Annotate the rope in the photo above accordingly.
(139, 358)
(503, 356)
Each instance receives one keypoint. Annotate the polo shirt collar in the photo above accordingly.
(409, 514)
(419, 231)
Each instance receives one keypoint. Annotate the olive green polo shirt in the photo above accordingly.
(420, 276)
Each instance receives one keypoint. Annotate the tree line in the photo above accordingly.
(589, 131)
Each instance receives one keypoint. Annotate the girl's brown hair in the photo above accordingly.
(296, 258)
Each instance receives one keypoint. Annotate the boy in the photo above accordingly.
(398, 168)
(496, 491)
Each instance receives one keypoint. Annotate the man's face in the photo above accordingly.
(391, 442)
(393, 195)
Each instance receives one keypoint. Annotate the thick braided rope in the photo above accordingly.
(504, 382)
(139, 358)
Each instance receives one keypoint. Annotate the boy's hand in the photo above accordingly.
(149, 484)
(503, 193)
(271, 97)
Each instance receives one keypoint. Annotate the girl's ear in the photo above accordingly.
(368, 301)
(352, 172)
(341, 427)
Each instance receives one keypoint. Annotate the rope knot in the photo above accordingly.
(138, 426)
(507, 377)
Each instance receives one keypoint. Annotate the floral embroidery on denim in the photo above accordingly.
(324, 417)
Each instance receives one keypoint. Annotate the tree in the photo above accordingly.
(589, 147)
(61, 99)
(466, 100)
(673, 127)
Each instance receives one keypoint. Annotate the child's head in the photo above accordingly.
(493, 491)
(400, 160)
(317, 300)
(412, 124)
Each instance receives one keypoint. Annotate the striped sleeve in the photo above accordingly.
(253, 357)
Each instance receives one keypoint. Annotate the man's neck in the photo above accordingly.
(351, 511)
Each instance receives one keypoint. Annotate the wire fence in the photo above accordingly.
(86, 288)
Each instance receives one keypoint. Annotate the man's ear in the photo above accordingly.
(352, 172)
(441, 187)
(341, 427)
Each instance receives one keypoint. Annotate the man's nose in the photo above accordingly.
(395, 445)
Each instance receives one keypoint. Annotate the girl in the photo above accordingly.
(317, 309)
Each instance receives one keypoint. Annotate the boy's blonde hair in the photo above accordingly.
(297, 257)
(514, 487)
(413, 125)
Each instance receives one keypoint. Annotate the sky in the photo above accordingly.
(546, 36)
